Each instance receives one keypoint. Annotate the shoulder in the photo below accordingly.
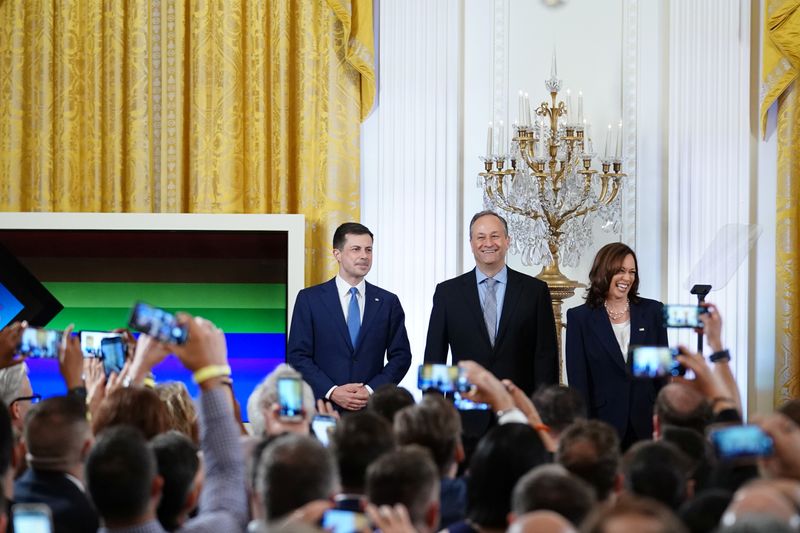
(320, 288)
(458, 281)
(515, 276)
(648, 306)
(374, 290)
(579, 312)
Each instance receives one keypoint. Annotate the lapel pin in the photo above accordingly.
(641, 329)
(377, 299)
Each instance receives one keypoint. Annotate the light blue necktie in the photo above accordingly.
(490, 308)
(353, 316)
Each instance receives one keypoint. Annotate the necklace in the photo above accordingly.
(616, 315)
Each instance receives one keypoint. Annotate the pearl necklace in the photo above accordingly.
(616, 315)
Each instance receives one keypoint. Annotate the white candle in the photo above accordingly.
(619, 141)
(580, 107)
(520, 109)
(569, 106)
(501, 140)
(608, 140)
(553, 69)
(489, 135)
(527, 104)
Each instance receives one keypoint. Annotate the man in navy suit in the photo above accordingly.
(496, 316)
(341, 329)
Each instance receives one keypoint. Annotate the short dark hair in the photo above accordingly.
(590, 450)
(502, 456)
(292, 471)
(349, 228)
(388, 399)
(681, 406)
(606, 264)
(119, 474)
(433, 424)
(658, 470)
(178, 463)
(484, 213)
(55, 432)
(628, 505)
(551, 487)
(559, 405)
(406, 475)
(358, 440)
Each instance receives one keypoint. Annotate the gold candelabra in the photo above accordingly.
(549, 190)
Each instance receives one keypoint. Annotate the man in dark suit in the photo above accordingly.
(342, 328)
(495, 316)
(58, 439)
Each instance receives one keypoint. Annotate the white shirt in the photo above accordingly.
(623, 334)
(343, 288)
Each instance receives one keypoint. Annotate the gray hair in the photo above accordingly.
(266, 393)
(11, 379)
(484, 213)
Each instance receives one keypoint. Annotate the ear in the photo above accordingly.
(619, 483)
(690, 484)
(511, 517)
(15, 414)
(192, 498)
(86, 448)
(337, 254)
(656, 428)
(156, 487)
(459, 453)
(432, 515)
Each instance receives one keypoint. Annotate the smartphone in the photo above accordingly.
(341, 521)
(90, 341)
(655, 362)
(113, 350)
(323, 426)
(442, 378)
(158, 323)
(683, 316)
(290, 398)
(746, 442)
(32, 518)
(39, 343)
(464, 404)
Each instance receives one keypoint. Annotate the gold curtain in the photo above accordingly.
(187, 106)
(781, 65)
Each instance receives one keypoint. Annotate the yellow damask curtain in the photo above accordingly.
(187, 106)
(781, 65)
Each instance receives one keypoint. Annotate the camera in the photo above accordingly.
(32, 517)
(737, 443)
(157, 323)
(39, 343)
(655, 362)
(323, 426)
(113, 350)
(683, 316)
(442, 378)
(341, 521)
(290, 398)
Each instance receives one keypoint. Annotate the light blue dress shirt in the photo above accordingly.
(499, 291)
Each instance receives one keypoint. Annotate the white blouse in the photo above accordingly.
(623, 334)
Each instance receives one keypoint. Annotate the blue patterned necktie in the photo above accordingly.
(490, 309)
(353, 316)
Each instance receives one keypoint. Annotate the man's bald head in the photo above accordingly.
(680, 405)
(541, 522)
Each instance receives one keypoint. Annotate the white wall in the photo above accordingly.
(677, 73)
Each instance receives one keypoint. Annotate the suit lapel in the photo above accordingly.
(372, 302)
(331, 300)
(470, 292)
(601, 326)
(639, 333)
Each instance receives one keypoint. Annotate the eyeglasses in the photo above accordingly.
(33, 398)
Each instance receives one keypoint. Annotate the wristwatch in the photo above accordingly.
(721, 356)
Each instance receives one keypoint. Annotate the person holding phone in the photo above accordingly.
(342, 329)
(599, 334)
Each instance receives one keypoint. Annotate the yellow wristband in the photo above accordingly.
(149, 382)
(211, 372)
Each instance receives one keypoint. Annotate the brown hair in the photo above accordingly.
(628, 505)
(606, 264)
(139, 407)
(181, 413)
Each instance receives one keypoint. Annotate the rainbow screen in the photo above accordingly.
(235, 279)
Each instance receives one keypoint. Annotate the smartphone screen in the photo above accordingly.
(655, 362)
(90, 342)
(442, 378)
(39, 343)
(113, 351)
(290, 398)
(341, 521)
(158, 323)
(323, 426)
(464, 404)
(31, 518)
(683, 316)
(741, 443)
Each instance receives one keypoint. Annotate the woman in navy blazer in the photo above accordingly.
(599, 334)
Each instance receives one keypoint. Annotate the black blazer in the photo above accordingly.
(71, 508)
(597, 369)
(525, 346)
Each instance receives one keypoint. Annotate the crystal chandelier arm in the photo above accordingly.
(496, 194)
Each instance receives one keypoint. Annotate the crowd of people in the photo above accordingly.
(125, 454)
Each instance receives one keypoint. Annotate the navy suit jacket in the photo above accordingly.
(320, 347)
(597, 369)
(71, 508)
(525, 347)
